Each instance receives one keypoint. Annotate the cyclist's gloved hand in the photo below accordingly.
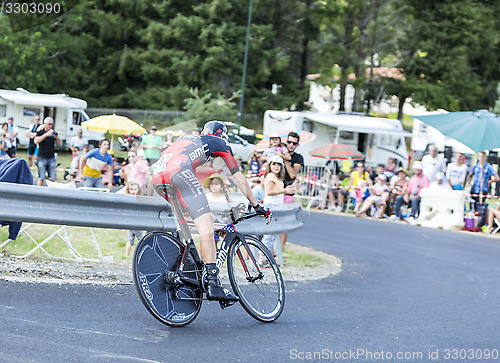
(261, 211)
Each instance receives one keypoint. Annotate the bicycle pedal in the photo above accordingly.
(225, 304)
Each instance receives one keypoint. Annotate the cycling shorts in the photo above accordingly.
(179, 172)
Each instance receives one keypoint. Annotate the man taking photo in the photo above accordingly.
(46, 139)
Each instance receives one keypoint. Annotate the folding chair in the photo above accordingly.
(496, 225)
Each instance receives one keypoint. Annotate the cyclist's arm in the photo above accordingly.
(243, 185)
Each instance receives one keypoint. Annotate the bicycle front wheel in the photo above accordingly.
(257, 281)
(157, 253)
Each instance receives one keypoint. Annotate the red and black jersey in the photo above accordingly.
(176, 167)
(201, 149)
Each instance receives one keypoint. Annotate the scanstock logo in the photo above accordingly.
(25, 14)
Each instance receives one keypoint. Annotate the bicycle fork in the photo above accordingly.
(231, 238)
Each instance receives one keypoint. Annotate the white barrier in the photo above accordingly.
(442, 208)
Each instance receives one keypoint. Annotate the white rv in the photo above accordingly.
(68, 113)
(377, 138)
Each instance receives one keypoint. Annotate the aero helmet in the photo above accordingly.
(215, 128)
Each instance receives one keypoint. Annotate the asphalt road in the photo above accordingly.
(406, 293)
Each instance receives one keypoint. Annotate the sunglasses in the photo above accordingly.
(292, 142)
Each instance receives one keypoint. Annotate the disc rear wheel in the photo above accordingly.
(157, 254)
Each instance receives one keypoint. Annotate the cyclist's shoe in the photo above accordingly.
(215, 290)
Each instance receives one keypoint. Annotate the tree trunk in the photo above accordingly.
(359, 65)
(343, 85)
(402, 100)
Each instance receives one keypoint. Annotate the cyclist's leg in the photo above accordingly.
(191, 196)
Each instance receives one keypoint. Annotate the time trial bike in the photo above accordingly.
(169, 273)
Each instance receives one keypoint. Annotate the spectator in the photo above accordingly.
(3, 147)
(292, 168)
(136, 170)
(379, 195)
(456, 172)
(492, 214)
(275, 148)
(92, 163)
(72, 171)
(152, 145)
(398, 185)
(78, 140)
(433, 163)
(275, 190)
(169, 139)
(391, 166)
(484, 175)
(335, 193)
(46, 138)
(31, 133)
(411, 196)
(13, 130)
(439, 183)
(333, 183)
(217, 191)
(7, 137)
(258, 189)
(378, 170)
(132, 188)
(362, 192)
(356, 175)
(239, 160)
(254, 164)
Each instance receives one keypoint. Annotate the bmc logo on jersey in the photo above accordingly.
(198, 152)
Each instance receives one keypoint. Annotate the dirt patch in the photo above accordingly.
(53, 271)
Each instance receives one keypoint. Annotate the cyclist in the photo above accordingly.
(176, 167)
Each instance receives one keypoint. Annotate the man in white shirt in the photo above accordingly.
(433, 163)
(456, 172)
(78, 140)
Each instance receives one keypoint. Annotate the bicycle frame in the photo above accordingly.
(231, 237)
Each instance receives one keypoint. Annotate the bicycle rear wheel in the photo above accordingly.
(157, 253)
(261, 289)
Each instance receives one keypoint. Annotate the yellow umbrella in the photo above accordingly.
(114, 124)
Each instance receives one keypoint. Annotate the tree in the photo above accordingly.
(449, 53)
(205, 108)
(23, 57)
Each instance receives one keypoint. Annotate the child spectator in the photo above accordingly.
(275, 191)
(276, 148)
(133, 188)
(217, 191)
(362, 192)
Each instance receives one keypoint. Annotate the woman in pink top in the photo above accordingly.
(135, 170)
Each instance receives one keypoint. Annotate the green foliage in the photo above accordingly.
(450, 51)
(496, 108)
(150, 54)
(205, 108)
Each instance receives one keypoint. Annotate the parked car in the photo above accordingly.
(240, 146)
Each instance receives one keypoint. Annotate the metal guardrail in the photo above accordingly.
(27, 203)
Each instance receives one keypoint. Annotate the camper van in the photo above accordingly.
(377, 138)
(68, 113)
